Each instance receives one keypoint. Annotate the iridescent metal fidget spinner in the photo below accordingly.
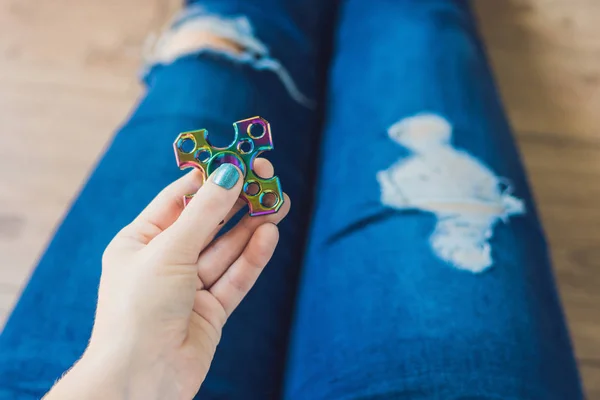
(252, 137)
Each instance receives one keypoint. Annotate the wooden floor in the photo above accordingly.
(67, 79)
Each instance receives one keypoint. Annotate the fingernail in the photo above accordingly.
(226, 176)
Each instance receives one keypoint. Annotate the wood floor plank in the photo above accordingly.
(547, 61)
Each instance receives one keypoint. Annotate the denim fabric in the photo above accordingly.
(382, 313)
(379, 314)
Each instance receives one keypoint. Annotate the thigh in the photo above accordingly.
(50, 325)
(427, 274)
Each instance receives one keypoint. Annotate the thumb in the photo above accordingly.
(183, 241)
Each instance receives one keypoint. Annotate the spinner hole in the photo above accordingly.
(252, 188)
(245, 146)
(203, 155)
(256, 130)
(225, 157)
(268, 199)
(186, 145)
(219, 138)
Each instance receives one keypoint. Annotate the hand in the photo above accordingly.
(167, 289)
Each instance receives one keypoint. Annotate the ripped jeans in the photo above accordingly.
(424, 273)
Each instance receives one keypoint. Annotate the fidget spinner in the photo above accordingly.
(252, 137)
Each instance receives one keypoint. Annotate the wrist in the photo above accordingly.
(92, 378)
(131, 370)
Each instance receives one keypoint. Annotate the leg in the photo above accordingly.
(208, 72)
(427, 274)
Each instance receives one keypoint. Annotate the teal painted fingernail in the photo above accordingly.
(226, 176)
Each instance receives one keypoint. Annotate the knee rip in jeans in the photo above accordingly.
(197, 32)
(467, 198)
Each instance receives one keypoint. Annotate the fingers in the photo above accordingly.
(166, 207)
(237, 281)
(223, 252)
(187, 236)
(264, 169)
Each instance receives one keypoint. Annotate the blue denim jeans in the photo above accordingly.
(424, 273)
